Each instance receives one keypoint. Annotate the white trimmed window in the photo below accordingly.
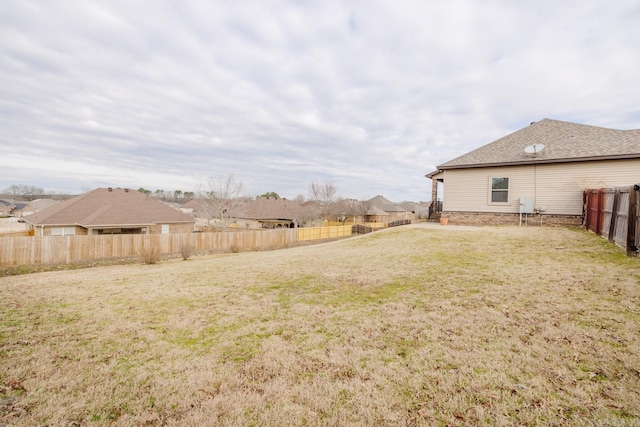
(499, 190)
(63, 231)
(165, 228)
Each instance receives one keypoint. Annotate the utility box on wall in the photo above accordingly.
(526, 205)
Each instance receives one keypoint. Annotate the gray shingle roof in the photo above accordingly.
(108, 208)
(563, 141)
(269, 208)
(385, 204)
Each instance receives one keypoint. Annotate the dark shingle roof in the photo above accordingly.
(563, 141)
(6, 203)
(108, 208)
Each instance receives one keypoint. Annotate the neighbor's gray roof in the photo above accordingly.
(40, 204)
(108, 208)
(385, 204)
(563, 141)
(264, 208)
(373, 210)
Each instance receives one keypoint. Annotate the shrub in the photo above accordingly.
(235, 248)
(186, 250)
(150, 254)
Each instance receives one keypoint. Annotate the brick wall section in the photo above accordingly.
(487, 218)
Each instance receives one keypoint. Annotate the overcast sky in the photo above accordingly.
(367, 95)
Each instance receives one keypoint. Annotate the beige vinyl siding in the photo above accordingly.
(558, 187)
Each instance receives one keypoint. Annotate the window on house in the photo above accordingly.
(500, 190)
(63, 231)
(165, 228)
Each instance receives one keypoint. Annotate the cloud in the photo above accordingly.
(367, 95)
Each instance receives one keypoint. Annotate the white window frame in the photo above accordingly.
(165, 228)
(492, 190)
(63, 231)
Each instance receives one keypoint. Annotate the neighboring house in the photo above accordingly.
(40, 204)
(10, 207)
(375, 214)
(192, 207)
(394, 211)
(262, 212)
(269, 212)
(19, 209)
(22, 208)
(546, 166)
(419, 210)
(6, 207)
(109, 211)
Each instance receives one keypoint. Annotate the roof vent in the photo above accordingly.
(126, 190)
(109, 189)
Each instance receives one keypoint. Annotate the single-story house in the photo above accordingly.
(375, 214)
(394, 211)
(271, 212)
(109, 211)
(22, 208)
(419, 210)
(6, 207)
(540, 170)
(40, 204)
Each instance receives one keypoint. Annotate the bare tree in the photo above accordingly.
(26, 192)
(324, 196)
(364, 208)
(347, 209)
(221, 200)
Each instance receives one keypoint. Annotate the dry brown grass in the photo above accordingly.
(410, 326)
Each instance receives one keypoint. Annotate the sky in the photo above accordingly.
(368, 96)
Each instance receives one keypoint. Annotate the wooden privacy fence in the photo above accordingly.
(318, 233)
(65, 249)
(614, 213)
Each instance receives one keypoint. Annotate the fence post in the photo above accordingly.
(632, 218)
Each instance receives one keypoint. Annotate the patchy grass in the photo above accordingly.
(409, 326)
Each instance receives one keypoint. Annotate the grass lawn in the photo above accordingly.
(407, 326)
